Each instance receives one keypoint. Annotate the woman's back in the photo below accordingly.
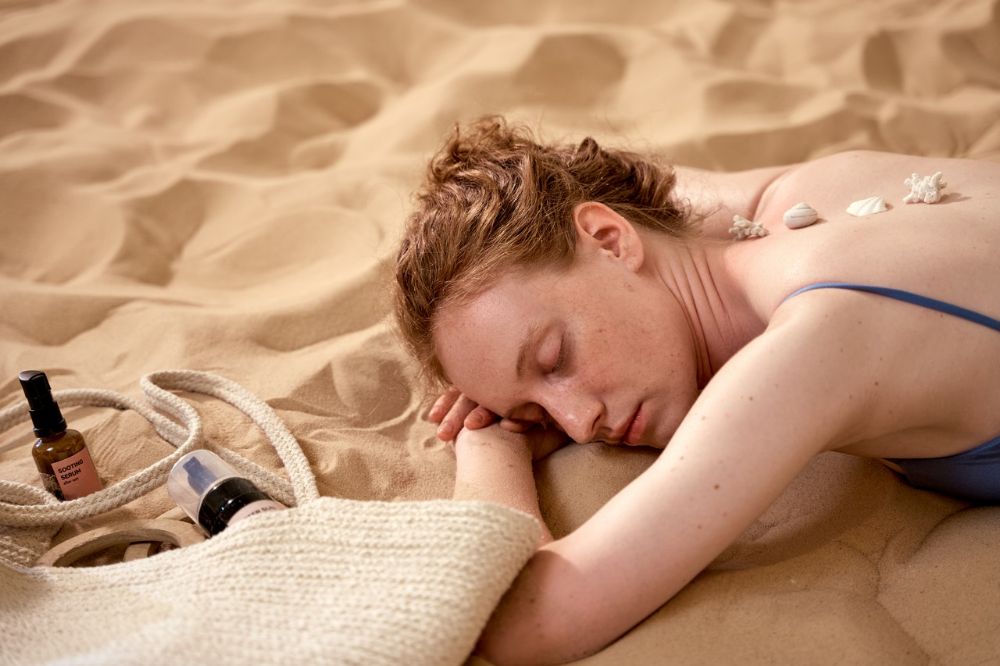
(948, 248)
(946, 251)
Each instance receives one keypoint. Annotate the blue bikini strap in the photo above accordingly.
(909, 297)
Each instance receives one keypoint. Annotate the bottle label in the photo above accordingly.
(260, 506)
(76, 475)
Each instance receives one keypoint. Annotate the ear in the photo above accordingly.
(602, 230)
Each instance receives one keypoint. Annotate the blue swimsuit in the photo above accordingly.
(972, 474)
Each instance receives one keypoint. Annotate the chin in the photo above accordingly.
(660, 440)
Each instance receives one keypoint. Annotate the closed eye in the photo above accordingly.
(562, 358)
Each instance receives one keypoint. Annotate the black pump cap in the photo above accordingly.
(45, 414)
(199, 478)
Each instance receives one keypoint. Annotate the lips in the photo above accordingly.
(633, 431)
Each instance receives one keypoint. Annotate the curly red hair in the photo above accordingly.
(494, 199)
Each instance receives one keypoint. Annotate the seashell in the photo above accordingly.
(926, 189)
(869, 206)
(800, 215)
(743, 228)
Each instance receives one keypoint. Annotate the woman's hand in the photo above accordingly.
(539, 441)
(452, 411)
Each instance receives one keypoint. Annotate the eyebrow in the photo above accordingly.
(522, 356)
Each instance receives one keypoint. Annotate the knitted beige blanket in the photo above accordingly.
(329, 580)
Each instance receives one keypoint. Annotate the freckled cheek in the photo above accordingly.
(471, 375)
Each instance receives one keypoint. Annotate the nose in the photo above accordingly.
(579, 415)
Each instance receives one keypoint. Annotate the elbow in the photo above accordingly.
(543, 618)
(507, 646)
(552, 614)
(530, 642)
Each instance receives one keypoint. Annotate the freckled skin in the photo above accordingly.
(638, 342)
(648, 358)
(678, 330)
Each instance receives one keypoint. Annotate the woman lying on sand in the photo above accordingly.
(587, 294)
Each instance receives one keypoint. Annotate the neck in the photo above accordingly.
(703, 277)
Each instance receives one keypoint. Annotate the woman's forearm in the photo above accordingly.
(499, 470)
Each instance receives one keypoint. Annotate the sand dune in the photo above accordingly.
(220, 186)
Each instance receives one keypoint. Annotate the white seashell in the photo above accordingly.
(924, 190)
(800, 215)
(869, 206)
(744, 228)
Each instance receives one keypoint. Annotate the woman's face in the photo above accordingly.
(601, 348)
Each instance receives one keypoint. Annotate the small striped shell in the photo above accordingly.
(869, 206)
(800, 215)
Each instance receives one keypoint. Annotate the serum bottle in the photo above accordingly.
(60, 454)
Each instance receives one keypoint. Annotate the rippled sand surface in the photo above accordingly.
(220, 186)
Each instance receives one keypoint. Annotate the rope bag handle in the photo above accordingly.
(23, 505)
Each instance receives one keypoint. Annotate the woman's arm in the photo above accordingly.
(495, 465)
(789, 394)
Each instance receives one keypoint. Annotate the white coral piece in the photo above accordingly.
(800, 215)
(867, 206)
(743, 228)
(926, 189)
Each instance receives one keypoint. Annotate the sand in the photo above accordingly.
(220, 186)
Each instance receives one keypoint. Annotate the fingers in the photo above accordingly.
(512, 425)
(453, 411)
(443, 404)
(453, 420)
(480, 417)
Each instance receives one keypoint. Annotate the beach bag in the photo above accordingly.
(328, 580)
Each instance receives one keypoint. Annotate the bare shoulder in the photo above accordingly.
(780, 382)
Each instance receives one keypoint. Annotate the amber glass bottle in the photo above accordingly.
(60, 454)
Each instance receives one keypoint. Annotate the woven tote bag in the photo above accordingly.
(327, 580)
